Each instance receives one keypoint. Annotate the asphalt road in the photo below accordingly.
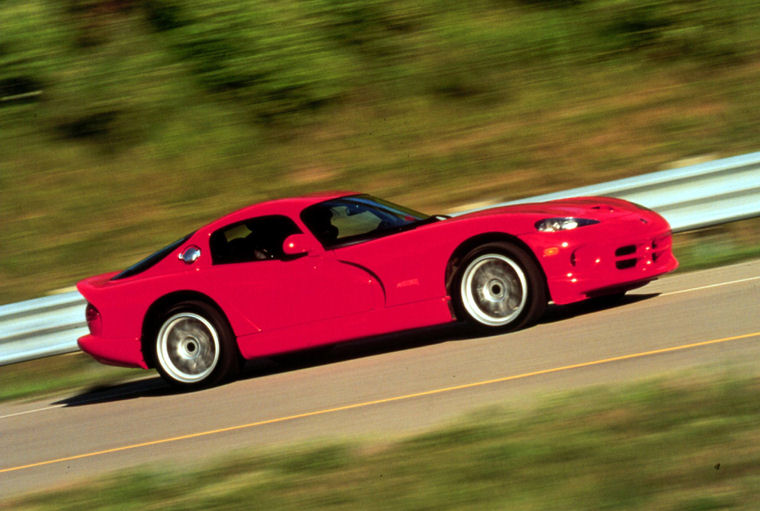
(386, 387)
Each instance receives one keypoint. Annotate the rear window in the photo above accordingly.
(152, 259)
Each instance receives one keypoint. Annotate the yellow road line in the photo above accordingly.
(384, 400)
(710, 286)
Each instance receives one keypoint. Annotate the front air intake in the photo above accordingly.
(626, 264)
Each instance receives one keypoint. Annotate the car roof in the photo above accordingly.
(290, 206)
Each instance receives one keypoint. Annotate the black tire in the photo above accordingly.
(195, 346)
(499, 287)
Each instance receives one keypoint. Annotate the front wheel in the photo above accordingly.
(195, 346)
(499, 286)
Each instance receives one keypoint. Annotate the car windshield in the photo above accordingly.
(358, 218)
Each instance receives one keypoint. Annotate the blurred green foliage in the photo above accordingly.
(276, 59)
(280, 58)
(125, 123)
(270, 59)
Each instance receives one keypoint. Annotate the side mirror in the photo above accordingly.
(300, 244)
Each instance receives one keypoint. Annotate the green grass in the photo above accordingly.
(52, 375)
(718, 246)
(150, 118)
(685, 442)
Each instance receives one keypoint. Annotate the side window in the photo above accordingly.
(340, 220)
(354, 221)
(257, 239)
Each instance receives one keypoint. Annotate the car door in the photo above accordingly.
(392, 243)
(273, 290)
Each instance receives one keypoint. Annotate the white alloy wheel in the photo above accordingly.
(494, 289)
(188, 348)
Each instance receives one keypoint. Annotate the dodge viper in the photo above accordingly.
(292, 274)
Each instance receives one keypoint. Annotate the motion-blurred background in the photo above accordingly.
(126, 123)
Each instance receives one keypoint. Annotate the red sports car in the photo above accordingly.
(292, 274)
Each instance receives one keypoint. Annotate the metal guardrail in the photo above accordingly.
(41, 327)
(689, 198)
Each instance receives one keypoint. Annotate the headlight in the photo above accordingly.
(563, 224)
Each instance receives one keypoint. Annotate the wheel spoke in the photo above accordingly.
(188, 347)
(494, 289)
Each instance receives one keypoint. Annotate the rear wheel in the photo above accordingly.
(499, 287)
(195, 346)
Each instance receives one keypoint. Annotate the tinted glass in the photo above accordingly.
(358, 218)
(152, 259)
(257, 239)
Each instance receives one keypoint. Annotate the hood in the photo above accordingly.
(596, 208)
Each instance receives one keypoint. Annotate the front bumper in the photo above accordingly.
(124, 353)
(609, 259)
